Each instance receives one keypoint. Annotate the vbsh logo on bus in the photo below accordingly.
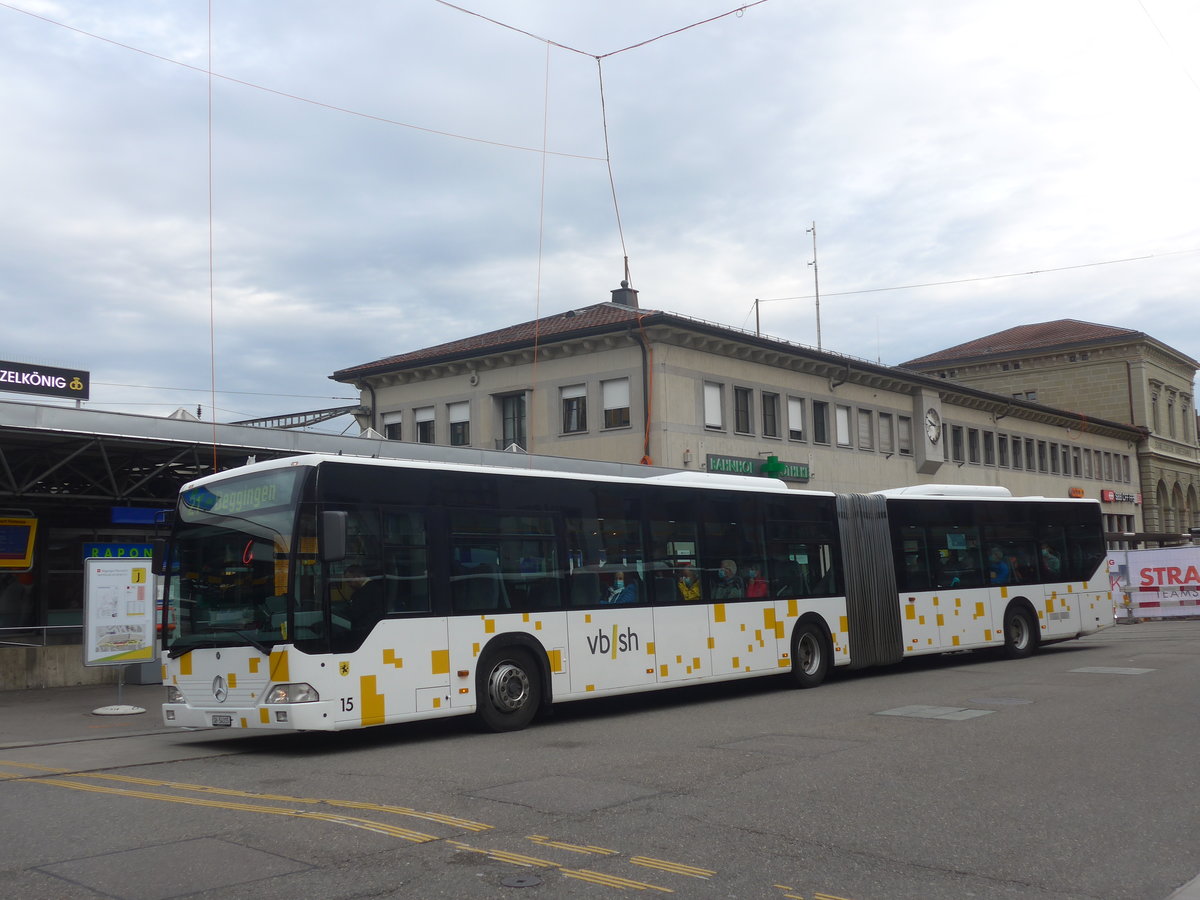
(619, 642)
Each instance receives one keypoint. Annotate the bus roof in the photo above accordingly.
(498, 463)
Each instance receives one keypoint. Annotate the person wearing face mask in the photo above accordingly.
(728, 584)
(622, 590)
(756, 585)
(689, 584)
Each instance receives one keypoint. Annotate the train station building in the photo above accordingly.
(616, 381)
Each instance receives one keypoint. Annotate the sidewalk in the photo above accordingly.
(58, 715)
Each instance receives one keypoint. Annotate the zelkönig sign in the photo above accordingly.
(47, 381)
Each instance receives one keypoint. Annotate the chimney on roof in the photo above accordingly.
(625, 296)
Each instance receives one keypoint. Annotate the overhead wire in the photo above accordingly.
(906, 287)
(384, 120)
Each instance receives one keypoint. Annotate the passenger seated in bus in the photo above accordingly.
(756, 585)
(1051, 562)
(621, 590)
(728, 584)
(999, 571)
(688, 584)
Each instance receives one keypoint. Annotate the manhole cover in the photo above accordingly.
(521, 881)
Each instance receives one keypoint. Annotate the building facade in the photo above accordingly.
(620, 383)
(1098, 370)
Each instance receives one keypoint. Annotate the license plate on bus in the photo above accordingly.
(222, 721)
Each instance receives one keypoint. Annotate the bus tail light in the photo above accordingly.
(300, 692)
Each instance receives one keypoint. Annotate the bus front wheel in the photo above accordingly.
(810, 655)
(509, 689)
(1020, 632)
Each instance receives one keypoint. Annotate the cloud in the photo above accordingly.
(929, 142)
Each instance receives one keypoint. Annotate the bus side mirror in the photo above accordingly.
(158, 558)
(333, 535)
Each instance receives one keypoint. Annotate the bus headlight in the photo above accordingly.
(292, 693)
(174, 694)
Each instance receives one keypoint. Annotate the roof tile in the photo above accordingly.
(1060, 333)
(545, 328)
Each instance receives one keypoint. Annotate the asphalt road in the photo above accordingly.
(1066, 776)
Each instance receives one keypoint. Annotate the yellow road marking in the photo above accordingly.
(677, 868)
(384, 828)
(613, 880)
(279, 798)
(574, 848)
(504, 856)
(380, 827)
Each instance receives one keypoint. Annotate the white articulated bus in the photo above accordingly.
(321, 592)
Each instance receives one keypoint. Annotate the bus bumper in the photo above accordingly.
(317, 716)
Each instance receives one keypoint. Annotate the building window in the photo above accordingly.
(459, 415)
(957, 452)
(1066, 460)
(713, 418)
(1016, 452)
(1054, 459)
(989, 448)
(866, 430)
(973, 446)
(614, 395)
(1171, 415)
(770, 415)
(887, 440)
(1030, 455)
(391, 426)
(795, 418)
(1087, 463)
(842, 414)
(512, 420)
(1041, 457)
(820, 414)
(574, 408)
(1076, 464)
(904, 435)
(423, 417)
(1154, 426)
(742, 398)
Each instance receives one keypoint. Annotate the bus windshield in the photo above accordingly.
(229, 569)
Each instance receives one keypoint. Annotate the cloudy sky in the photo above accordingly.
(361, 179)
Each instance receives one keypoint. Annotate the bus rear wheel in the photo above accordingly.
(509, 689)
(1020, 632)
(810, 655)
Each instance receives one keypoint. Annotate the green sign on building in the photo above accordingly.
(771, 467)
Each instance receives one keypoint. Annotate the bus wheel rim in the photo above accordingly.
(1019, 631)
(508, 687)
(810, 654)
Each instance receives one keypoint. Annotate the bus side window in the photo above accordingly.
(475, 582)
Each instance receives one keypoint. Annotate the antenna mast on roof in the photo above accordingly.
(816, 283)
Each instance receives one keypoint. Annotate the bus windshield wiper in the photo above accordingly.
(254, 642)
(216, 639)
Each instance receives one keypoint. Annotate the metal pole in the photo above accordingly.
(816, 282)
